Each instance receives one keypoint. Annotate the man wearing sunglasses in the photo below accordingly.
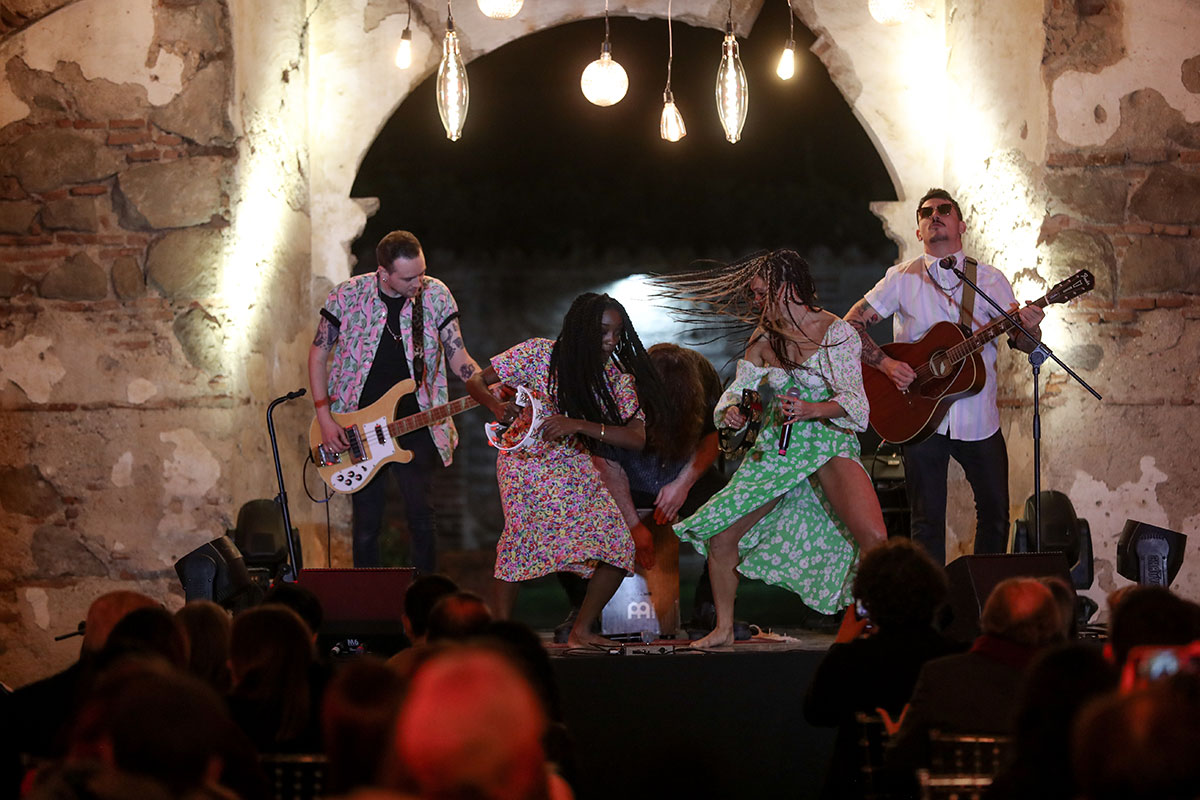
(917, 295)
(370, 324)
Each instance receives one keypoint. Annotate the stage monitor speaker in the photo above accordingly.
(972, 579)
(359, 603)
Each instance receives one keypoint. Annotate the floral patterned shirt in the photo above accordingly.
(360, 314)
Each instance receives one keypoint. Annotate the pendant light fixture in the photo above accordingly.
(500, 9)
(604, 81)
(453, 93)
(890, 12)
(670, 126)
(404, 50)
(733, 95)
(787, 59)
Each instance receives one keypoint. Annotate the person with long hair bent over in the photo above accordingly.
(558, 515)
(798, 509)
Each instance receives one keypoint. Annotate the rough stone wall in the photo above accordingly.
(139, 332)
(1122, 189)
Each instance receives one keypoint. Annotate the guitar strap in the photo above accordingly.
(418, 330)
(966, 315)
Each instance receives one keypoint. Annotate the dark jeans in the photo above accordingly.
(415, 479)
(986, 465)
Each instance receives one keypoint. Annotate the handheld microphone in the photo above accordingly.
(785, 433)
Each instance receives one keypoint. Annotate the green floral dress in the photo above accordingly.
(801, 545)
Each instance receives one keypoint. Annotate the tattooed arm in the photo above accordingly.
(461, 363)
(861, 317)
(318, 382)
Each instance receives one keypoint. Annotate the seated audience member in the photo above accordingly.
(152, 631)
(873, 665)
(274, 698)
(976, 691)
(357, 719)
(420, 598)
(1064, 595)
(207, 627)
(472, 726)
(528, 652)
(300, 600)
(458, 616)
(1151, 615)
(45, 707)
(1060, 682)
(149, 719)
(1144, 745)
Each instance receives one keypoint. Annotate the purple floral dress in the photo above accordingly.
(558, 515)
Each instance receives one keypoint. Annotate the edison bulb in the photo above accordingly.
(732, 92)
(604, 81)
(404, 51)
(500, 9)
(671, 126)
(453, 92)
(787, 63)
(890, 12)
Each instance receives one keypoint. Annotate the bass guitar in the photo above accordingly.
(372, 434)
(948, 366)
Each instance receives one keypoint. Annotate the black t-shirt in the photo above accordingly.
(390, 365)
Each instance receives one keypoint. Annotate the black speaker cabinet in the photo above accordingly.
(972, 579)
(359, 603)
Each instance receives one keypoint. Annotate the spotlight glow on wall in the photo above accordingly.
(733, 93)
(604, 81)
(500, 9)
(453, 93)
(670, 125)
(787, 59)
(890, 12)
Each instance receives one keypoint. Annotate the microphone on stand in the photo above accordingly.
(948, 263)
(785, 433)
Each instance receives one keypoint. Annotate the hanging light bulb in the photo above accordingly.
(453, 93)
(733, 96)
(500, 9)
(404, 50)
(890, 12)
(604, 81)
(671, 126)
(787, 59)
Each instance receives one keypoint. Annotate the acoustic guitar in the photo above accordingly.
(372, 434)
(949, 367)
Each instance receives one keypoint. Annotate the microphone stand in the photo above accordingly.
(289, 572)
(1037, 357)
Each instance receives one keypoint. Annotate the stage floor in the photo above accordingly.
(664, 720)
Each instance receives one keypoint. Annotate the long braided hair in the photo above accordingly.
(719, 297)
(577, 365)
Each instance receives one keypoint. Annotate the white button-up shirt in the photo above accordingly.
(919, 294)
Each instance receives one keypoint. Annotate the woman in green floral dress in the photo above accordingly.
(799, 518)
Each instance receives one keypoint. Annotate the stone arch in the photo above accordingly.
(353, 43)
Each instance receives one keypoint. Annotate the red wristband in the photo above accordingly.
(324, 401)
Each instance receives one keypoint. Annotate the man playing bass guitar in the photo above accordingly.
(383, 327)
(917, 295)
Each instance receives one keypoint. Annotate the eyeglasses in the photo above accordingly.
(943, 210)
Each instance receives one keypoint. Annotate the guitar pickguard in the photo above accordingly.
(374, 447)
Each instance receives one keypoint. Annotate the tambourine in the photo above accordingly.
(522, 431)
(752, 409)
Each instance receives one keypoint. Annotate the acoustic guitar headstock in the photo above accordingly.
(1079, 283)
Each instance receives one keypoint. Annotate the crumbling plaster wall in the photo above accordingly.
(154, 267)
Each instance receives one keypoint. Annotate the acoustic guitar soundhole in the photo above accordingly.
(939, 365)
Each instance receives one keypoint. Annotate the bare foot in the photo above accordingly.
(718, 638)
(578, 638)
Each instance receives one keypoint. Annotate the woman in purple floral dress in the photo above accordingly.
(558, 515)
